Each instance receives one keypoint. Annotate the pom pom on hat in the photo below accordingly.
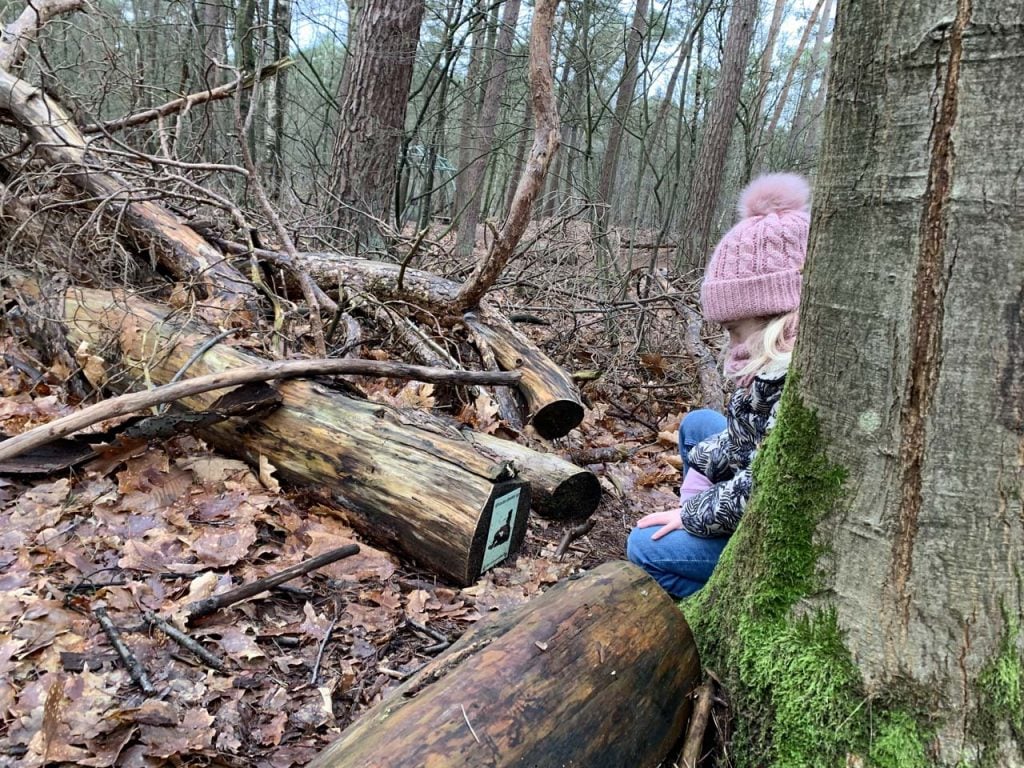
(775, 193)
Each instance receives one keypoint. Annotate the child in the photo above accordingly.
(752, 287)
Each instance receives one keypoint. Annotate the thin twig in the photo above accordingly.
(213, 604)
(320, 652)
(469, 724)
(183, 640)
(135, 669)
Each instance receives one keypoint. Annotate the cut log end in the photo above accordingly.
(575, 498)
(557, 419)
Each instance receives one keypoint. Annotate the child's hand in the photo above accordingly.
(669, 521)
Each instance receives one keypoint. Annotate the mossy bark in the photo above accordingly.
(867, 612)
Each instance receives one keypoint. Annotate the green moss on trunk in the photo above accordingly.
(1002, 697)
(796, 690)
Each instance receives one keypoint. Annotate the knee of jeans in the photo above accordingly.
(636, 552)
(698, 424)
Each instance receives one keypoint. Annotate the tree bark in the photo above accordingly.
(882, 550)
(408, 479)
(706, 178)
(484, 135)
(372, 101)
(595, 672)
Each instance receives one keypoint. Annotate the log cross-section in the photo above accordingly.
(404, 478)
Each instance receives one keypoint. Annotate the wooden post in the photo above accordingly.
(595, 672)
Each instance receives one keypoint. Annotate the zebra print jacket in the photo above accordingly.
(726, 458)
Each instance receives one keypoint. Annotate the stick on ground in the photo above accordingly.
(213, 604)
(183, 640)
(698, 724)
(135, 669)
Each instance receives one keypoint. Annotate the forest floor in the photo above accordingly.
(153, 527)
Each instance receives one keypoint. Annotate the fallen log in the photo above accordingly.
(595, 672)
(551, 396)
(178, 248)
(404, 478)
(558, 488)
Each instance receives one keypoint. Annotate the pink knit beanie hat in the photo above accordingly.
(755, 269)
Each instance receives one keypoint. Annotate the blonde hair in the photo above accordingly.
(770, 348)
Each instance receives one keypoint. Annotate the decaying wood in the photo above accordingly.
(693, 746)
(595, 672)
(558, 488)
(178, 248)
(546, 139)
(403, 478)
(20, 33)
(553, 405)
(552, 398)
(268, 371)
(212, 604)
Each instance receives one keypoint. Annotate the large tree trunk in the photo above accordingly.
(869, 607)
(595, 672)
(371, 102)
(706, 178)
(408, 479)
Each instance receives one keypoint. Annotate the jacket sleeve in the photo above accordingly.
(717, 511)
(710, 457)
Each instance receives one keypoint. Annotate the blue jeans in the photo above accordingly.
(681, 562)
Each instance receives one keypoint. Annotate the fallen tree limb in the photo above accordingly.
(186, 103)
(215, 603)
(558, 489)
(22, 31)
(129, 659)
(403, 478)
(595, 672)
(283, 370)
(178, 248)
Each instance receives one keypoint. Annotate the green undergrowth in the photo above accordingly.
(795, 689)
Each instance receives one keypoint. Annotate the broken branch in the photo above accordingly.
(284, 369)
(213, 604)
(138, 674)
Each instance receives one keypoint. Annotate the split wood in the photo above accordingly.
(284, 369)
(694, 744)
(213, 604)
(135, 669)
(183, 640)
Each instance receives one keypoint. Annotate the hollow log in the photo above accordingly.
(595, 672)
(404, 478)
(559, 489)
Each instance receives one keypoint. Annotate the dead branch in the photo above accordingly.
(545, 143)
(209, 605)
(178, 248)
(135, 669)
(185, 103)
(183, 640)
(284, 369)
(572, 534)
(20, 33)
(711, 385)
(698, 724)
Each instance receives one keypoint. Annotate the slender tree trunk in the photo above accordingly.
(372, 102)
(484, 136)
(764, 69)
(623, 101)
(868, 610)
(472, 93)
(706, 178)
(808, 109)
(277, 93)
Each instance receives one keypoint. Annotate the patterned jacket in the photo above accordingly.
(726, 458)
